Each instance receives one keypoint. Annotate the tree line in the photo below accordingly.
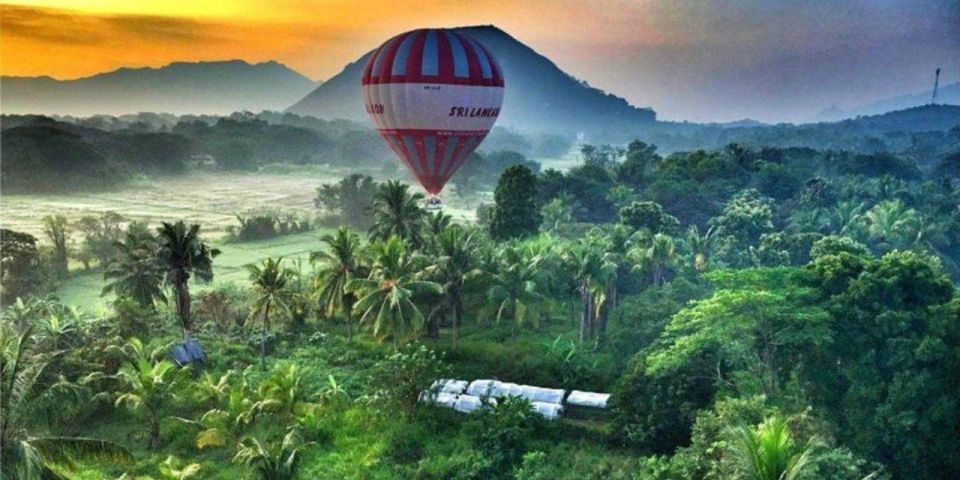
(802, 327)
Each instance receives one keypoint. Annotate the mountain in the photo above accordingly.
(539, 96)
(948, 94)
(181, 87)
(916, 119)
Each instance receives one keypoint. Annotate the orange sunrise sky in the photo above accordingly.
(73, 38)
(688, 60)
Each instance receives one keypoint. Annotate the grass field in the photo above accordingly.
(83, 289)
(211, 199)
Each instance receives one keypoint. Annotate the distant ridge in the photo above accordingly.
(916, 119)
(219, 87)
(539, 96)
(948, 95)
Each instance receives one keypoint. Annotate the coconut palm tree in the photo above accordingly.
(170, 469)
(514, 288)
(769, 452)
(182, 253)
(59, 325)
(135, 271)
(557, 213)
(594, 272)
(397, 212)
(437, 222)
(284, 394)
(21, 313)
(233, 411)
(147, 388)
(28, 398)
(891, 225)
(386, 297)
(339, 263)
(270, 281)
(455, 266)
(700, 246)
(656, 257)
(845, 219)
(271, 461)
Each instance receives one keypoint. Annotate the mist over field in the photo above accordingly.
(672, 240)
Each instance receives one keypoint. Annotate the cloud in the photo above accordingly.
(65, 27)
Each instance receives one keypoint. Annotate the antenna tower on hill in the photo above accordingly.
(936, 85)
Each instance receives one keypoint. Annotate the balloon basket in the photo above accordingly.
(433, 203)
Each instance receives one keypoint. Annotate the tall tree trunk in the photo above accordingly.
(586, 312)
(614, 300)
(183, 307)
(602, 318)
(263, 336)
(347, 305)
(434, 318)
(153, 441)
(457, 316)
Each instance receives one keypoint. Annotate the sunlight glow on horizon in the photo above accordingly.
(687, 59)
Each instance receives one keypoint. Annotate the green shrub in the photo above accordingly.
(503, 431)
(405, 445)
(467, 465)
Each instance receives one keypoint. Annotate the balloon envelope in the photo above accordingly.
(433, 94)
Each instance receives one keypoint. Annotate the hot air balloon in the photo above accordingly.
(433, 95)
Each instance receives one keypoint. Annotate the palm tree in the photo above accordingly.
(340, 262)
(397, 212)
(148, 387)
(891, 225)
(28, 398)
(59, 324)
(557, 213)
(387, 295)
(437, 222)
(183, 253)
(21, 313)
(234, 411)
(170, 469)
(283, 394)
(270, 281)
(455, 266)
(770, 453)
(594, 272)
(277, 461)
(656, 257)
(617, 242)
(514, 288)
(700, 246)
(845, 218)
(135, 270)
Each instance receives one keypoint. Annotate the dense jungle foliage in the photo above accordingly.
(757, 313)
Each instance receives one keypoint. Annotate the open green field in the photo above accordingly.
(83, 289)
(211, 199)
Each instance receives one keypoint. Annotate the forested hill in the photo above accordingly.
(916, 119)
(896, 131)
(540, 96)
(182, 87)
(947, 94)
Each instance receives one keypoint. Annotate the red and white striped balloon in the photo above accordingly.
(434, 94)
